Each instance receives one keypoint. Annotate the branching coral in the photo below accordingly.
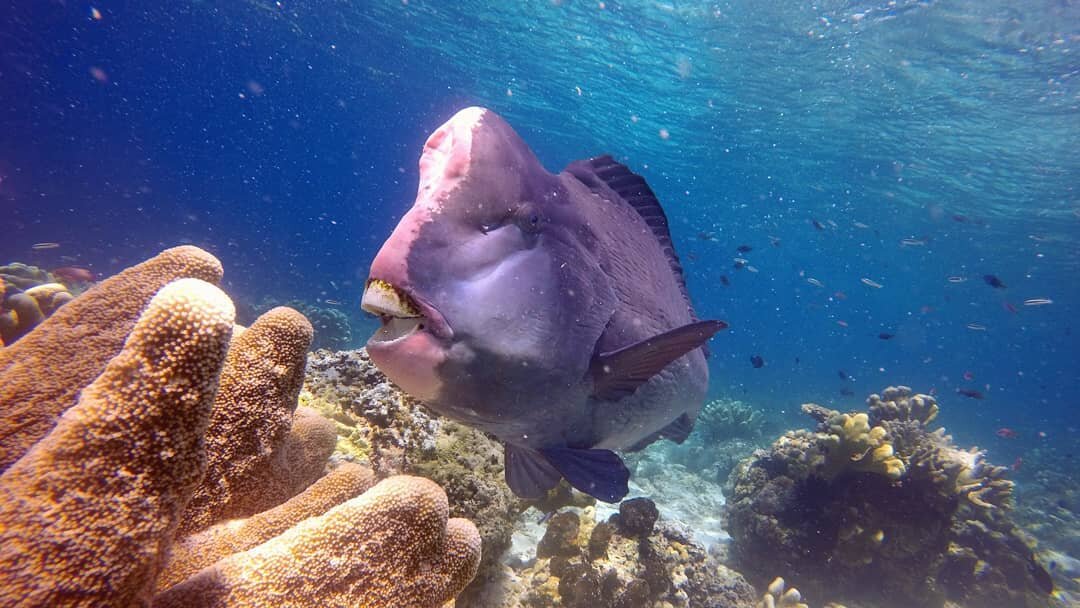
(252, 415)
(724, 419)
(197, 551)
(898, 403)
(385, 428)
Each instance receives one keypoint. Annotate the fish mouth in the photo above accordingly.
(401, 313)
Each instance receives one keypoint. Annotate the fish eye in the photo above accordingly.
(534, 219)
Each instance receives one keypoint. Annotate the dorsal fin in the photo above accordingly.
(603, 173)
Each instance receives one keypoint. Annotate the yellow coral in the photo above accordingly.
(49, 296)
(777, 597)
(855, 445)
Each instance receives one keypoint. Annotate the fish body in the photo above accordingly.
(546, 309)
(993, 281)
(74, 274)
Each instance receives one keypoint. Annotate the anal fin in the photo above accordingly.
(598, 473)
(527, 472)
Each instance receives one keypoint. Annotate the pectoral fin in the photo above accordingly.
(619, 373)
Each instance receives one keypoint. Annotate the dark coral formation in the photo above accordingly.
(878, 507)
(589, 564)
(637, 517)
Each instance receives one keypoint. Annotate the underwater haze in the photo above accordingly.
(869, 193)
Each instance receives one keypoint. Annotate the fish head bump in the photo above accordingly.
(486, 288)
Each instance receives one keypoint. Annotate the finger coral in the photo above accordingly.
(251, 418)
(392, 546)
(76, 342)
(89, 511)
(196, 551)
(87, 514)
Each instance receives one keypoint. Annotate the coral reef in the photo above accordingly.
(722, 420)
(88, 513)
(725, 432)
(628, 561)
(380, 426)
(28, 295)
(877, 507)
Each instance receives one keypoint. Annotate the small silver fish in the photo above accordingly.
(871, 283)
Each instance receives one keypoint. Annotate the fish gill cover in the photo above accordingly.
(832, 172)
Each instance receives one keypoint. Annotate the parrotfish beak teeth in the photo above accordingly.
(399, 314)
(385, 300)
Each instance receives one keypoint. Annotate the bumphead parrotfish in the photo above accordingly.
(548, 310)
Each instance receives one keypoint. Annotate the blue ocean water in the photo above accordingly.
(866, 152)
